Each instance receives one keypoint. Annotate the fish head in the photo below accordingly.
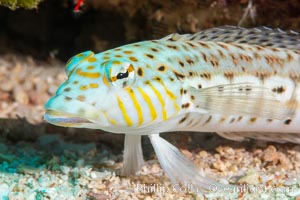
(113, 93)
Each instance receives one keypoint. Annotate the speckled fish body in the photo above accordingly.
(236, 82)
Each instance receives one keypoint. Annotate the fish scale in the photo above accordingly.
(240, 83)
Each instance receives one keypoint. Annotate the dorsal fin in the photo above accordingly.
(262, 36)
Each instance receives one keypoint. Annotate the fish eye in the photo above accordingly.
(120, 74)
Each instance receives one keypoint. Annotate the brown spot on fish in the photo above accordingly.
(270, 59)
(199, 86)
(248, 88)
(238, 46)
(149, 56)
(234, 59)
(262, 75)
(127, 52)
(205, 75)
(134, 59)
(279, 61)
(278, 90)
(259, 48)
(181, 91)
(186, 105)
(257, 56)
(171, 79)
(192, 45)
(246, 58)
(222, 55)
(229, 75)
(157, 78)
(208, 120)
(190, 61)
(192, 97)
(161, 68)
(75, 82)
(214, 63)
(223, 45)
(179, 75)
(154, 49)
(232, 120)
(191, 73)
(269, 120)
(252, 119)
(295, 77)
(181, 63)
(289, 57)
(239, 118)
(68, 98)
(182, 120)
(204, 56)
(68, 89)
(172, 47)
(140, 71)
(203, 44)
(222, 119)
(287, 122)
(118, 56)
(274, 49)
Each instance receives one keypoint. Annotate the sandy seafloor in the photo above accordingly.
(40, 161)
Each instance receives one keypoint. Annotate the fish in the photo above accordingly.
(240, 83)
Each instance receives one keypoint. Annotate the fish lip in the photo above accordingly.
(62, 118)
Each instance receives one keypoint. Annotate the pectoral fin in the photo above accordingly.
(241, 98)
(178, 167)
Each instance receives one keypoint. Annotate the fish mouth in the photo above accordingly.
(64, 119)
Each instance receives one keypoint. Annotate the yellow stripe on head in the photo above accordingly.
(105, 81)
(149, 103)
(164, 113)
(124, 113)
(112, 121)
(88, 74)
(169, 94)
(136, 105)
